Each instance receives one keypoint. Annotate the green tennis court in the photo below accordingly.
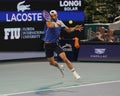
(35, 78)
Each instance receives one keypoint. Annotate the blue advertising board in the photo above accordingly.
(98, 52)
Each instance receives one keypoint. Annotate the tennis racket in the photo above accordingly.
(46, 15)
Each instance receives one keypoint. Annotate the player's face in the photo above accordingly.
(54, 16)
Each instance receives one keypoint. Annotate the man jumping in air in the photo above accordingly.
(52, 31)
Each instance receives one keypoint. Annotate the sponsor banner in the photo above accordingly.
(22, 23)
(25, 11)
(70, 5)
(34, 16)
(20, 16)
(22, 33)
(98, 52)
(22, 5)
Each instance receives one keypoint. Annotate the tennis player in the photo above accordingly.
(52, 31)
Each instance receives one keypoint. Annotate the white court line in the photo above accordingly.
(84, 85)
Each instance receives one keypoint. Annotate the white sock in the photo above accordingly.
(77, 76)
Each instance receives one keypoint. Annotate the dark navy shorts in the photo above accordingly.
(50, 48)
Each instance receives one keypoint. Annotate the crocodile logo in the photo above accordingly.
(22, 7)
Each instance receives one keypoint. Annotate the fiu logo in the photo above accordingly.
(22, 7)
(11, 33)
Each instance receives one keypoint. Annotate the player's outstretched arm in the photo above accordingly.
(71, 29)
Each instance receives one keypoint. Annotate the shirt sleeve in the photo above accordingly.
(62, 24)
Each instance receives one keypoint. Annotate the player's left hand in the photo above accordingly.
(79, 27)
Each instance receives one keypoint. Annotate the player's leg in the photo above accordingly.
(69, 64)
(54, 63)
(62, 55)
(65, 59)
(49, 50)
